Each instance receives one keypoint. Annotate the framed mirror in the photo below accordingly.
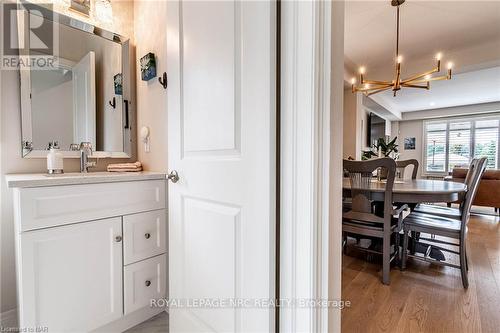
(85, 96)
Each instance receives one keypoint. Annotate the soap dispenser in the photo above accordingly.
(54, 159)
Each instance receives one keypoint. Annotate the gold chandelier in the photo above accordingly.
(421, 81)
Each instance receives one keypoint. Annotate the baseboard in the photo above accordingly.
(8, 319)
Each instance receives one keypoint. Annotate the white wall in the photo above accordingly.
(350, 125)
(405, 129)
(151, 97)
(11, 161)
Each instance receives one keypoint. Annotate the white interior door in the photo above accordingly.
(221, 140)
(84, 100)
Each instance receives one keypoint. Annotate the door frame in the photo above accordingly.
(312, 65)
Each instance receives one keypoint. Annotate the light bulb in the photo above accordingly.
(427, 77)
(353, 81)
(362, 70)
(450, 65)
(399, 59)
(438, 56)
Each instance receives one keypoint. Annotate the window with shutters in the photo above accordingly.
(452, 143)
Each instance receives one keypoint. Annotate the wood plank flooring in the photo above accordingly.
(426, 297)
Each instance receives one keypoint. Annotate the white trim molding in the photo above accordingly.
(305, 165)
(8, 319)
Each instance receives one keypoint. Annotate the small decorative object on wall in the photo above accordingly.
(118, 82)
(80, 6)
(163, 80)
(410, 143)
(148, 67)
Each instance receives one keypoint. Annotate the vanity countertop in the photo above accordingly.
(76, 178)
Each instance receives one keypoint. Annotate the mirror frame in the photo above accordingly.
(129, 136)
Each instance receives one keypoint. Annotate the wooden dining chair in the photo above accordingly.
(445, 227)
(362, 220)
(402, 165)
(451, 212)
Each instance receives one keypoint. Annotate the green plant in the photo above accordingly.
(387, 149)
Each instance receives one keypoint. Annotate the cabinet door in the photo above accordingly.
(71, 276)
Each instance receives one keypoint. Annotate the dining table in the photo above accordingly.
(413, 190)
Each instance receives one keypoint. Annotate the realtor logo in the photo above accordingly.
(29, 37)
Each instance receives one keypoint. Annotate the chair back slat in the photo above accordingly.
(468, 178)
(478, 166)
(401, 167)
(361, 178)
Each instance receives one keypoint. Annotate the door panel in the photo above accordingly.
(210, 60)
(72, 276)
(221, 127)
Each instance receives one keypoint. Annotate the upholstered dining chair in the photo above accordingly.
(446, 227)
(451, 212)
(361, 219)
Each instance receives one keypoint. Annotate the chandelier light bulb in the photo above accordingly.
(362, 70)
(399, 59)
(428, 77)
(450, 65)
(438, 56)
(353, 81)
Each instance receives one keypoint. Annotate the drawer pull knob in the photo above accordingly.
(118, 238)
(147, 235)
(148, 283)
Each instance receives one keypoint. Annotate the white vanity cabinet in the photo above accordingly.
(90, 250)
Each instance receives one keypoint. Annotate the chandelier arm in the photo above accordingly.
(437, 78)
(408, 85)
(373, 88)
(377, 91)
(382, 83)
(419, 76)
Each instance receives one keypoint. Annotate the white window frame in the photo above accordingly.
(447, 121)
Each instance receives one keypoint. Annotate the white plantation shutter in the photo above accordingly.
(451, 143)
(486, 141)
(436, 147)
(459, 146)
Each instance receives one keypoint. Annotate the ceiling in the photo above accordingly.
(475, 87)
(466, 32)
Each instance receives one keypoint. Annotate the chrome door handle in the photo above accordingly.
(173, 176)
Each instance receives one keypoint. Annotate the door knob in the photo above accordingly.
(118, 238)
(173, 176)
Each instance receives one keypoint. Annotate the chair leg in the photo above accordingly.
(448, 204)
(463, 265)
(405, 249)
(398, 251)
(466, 258)
(413, 242)
(386, 260)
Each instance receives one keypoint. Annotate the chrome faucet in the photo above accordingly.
(85, 152)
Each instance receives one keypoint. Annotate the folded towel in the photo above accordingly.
(125, 167)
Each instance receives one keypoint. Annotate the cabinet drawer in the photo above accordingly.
(144, 235)
(143, 281)
(57, 205)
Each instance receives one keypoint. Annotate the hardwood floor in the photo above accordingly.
(425, 297)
